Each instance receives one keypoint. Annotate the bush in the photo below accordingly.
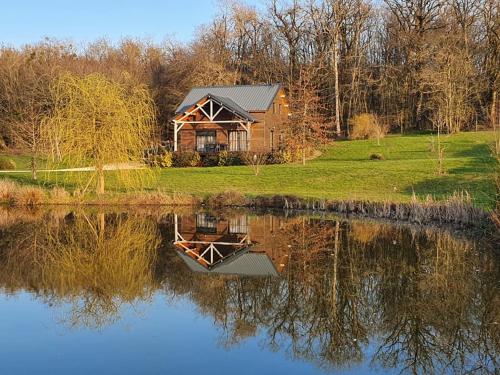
(367, 126)
(377, 157)
(236, 158)
(281, 157)
(186, 159)
(7, 164)
(165, 160)
(161, 159)
(210, 161)
(223, 158)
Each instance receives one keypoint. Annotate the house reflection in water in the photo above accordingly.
(236, 245)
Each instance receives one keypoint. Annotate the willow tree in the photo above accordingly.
(99, 122)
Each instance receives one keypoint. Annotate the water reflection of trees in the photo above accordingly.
(94, 262)
(427, 299)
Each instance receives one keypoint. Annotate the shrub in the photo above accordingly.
(186, 159)
(195, 160)
(7, 164)
(367, 126)
(223, 158)
(236, 158)
(281, 157)
(227, 199)
(210, 161)
(161, 159)
(165, 160)
(377, 156)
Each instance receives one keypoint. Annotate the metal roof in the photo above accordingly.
(245, 263)
(251, 98)
(231, 105)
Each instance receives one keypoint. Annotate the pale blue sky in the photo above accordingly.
(28, 21)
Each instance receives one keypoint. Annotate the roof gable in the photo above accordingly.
(226, 103)
(250, 98)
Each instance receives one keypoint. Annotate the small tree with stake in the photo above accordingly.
(100, 122)
(438, 122)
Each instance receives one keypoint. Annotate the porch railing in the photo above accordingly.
(212, 148)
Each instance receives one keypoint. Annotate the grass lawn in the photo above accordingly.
(344, 171)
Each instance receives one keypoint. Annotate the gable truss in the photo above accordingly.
(213, 112)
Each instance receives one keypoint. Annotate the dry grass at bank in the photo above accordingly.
(458, 209)
(227, 199)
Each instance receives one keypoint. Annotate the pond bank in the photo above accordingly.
(457, 209)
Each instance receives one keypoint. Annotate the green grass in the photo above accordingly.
(22, 161)
(345, 171)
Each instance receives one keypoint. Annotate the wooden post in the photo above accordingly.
(249, 135)
(175, 135)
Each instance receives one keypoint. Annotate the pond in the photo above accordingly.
(150, 291)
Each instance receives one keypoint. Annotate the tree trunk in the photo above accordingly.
(337, 93)
(100, 180)
(34, 149)
(493, 115)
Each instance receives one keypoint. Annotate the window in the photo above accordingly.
(238, 225)
(279, 108)
(205, 140)
(274, 108)
(206, 223)
(238, 141)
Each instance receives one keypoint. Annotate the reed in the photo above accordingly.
(7, 191)
(59, 195)
(458, 209)
(29, 196)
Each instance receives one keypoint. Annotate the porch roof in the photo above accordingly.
(232, 106)
(244, 263)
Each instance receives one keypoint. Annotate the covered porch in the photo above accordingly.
(211, 125)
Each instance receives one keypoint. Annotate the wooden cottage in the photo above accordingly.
(232, 118)
(237, 244)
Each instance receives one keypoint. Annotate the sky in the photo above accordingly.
(81, 21)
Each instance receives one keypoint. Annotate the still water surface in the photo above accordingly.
(150, 292)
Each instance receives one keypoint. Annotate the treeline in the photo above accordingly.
(415, 64)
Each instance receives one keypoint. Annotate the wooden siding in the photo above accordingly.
(263, 232)
(261, 134)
